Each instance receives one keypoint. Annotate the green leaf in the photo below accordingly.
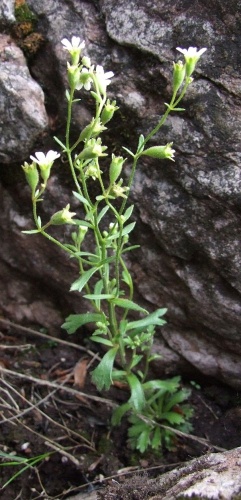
(102, 213)
(98, 296)
(31, 231)
(119, 412)
(126, 277)
(67, 95)
(81, 282)
(99, 286)
(156, 441)
(154, 357)
(82, 199)
(143, 441)
(137, 427)
(102, 375)
(75, 321)
(170, 385)
(96, 97)
(128, 151)
(173, 418)
(140, 144)
(126, 230)
(101, 340)
(137, 394)
(128, 304)
(151, 319)
(79, 222)
(60, 143)
(128, 212)
(70, 247)
(136, 359)
(177, 398)
(97, 290)
(173, 109)
(122, 326)
(92, 256)
(119, 375)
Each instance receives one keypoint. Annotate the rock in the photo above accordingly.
(187, 212)
(84, 496)
(23, 116)
(7, 12)
(210, 477)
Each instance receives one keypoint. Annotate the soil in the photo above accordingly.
(51, 413)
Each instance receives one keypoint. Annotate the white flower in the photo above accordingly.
(191, 56)
(85, 80)
(192, 52)
(45, 160)
(74, 48)
(74, 44)
(103, 79)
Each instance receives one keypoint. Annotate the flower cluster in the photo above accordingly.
(84, 74)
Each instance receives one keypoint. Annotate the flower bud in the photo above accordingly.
(179, 71)
(81, 234)
(92, 170)
(160, 152)
(45, 172)
(73, 75)
(86, 62)
(108, 111)
(85, 79)
(93, 149)
(31, 174)
(117, 190)
(63, 216)
(115, 168)
(94, 128)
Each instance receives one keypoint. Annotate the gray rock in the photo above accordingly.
(7, 12)
(211, 477)
(188, 212)
(23, 116)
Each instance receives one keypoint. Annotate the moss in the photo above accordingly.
(24, 29)
(23, 13)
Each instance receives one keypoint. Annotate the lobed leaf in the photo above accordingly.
(102, 375)
(151, 319)
(75, 321)
(137, 394)
(119, 412)
(128, 304)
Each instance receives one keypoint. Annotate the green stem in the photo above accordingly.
(131, 178)
(67, 138)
